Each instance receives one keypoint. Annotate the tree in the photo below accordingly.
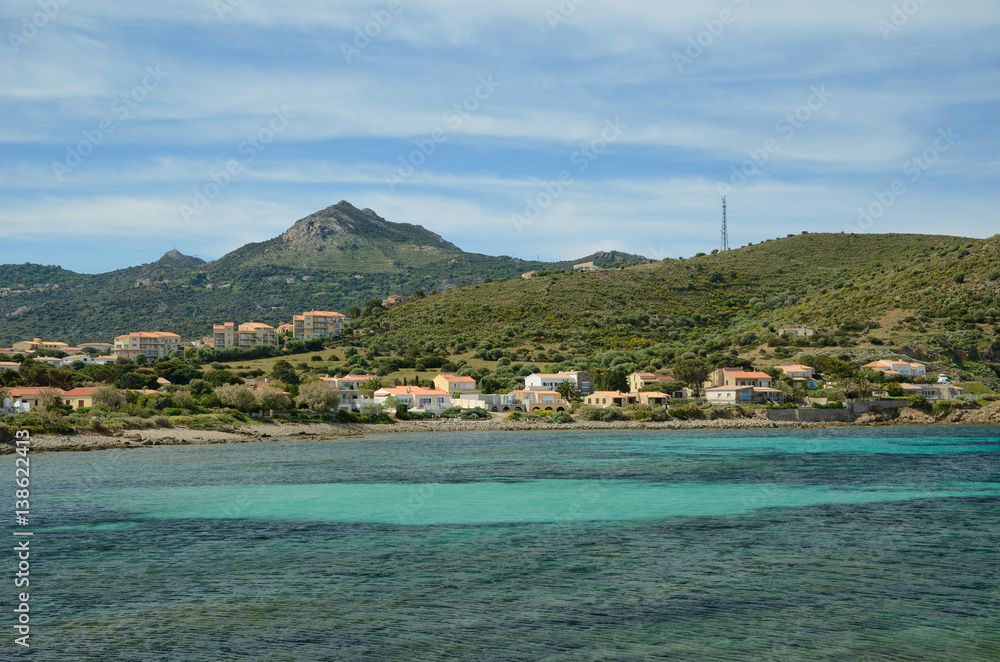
(318, 396)
(692, 372)
(110, 397)
(284, 373)
(50, 399)
(237, 397)
(177, 371)
(568, 391)
(271, 399)
(372, 384)
(4, 394)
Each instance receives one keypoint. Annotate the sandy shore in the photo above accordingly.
(336, 432)
(343, 432)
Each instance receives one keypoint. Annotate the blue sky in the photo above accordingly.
(552, 128)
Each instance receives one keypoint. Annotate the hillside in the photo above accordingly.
(932, 297)
(338, 257)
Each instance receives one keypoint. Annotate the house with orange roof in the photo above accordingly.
(541, 400)
(639, 380)
(9, 365)
(726, 377)
(37, 343)
(802, 375)
(891, 367)
(586, 266)
(456, 386)
(611, 399)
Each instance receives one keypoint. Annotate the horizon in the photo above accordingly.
(519, 129)
(554, 261)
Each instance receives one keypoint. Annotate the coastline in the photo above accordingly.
(176, 436)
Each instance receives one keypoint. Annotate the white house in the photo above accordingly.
(743, 395)
(352, 398)
(70, 360)
(497, 403)
(582, 381)
(416, 398)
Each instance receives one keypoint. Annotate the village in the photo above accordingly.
(564, 391)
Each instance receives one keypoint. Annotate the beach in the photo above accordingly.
(258, 432)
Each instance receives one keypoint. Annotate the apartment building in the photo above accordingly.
(319, 324)
(246, 335)
(152, 344)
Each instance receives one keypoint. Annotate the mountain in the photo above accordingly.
(335, 258)
(346, 239)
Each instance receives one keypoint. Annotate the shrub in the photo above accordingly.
(837, 404)
(919, 402)
(453, 412)
(475, 413)
(959, 278)
(344, 416)
(606, 414)
(516, 416)
(110, 397)
(560, 417)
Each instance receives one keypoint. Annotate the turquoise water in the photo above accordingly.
(874, 544)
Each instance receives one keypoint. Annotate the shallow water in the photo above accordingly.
(830, 544)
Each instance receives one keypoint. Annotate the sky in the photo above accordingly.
(530, 128)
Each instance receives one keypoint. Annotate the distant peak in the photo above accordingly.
(174, 254)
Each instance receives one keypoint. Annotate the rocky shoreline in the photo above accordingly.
(345, 432)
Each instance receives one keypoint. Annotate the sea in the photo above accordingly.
(837, 544)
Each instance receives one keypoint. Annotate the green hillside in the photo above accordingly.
(929, 297)
(333, 259)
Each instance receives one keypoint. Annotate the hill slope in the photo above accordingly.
(932, 296)
(335, 258)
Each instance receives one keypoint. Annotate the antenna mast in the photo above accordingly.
(725, 227)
